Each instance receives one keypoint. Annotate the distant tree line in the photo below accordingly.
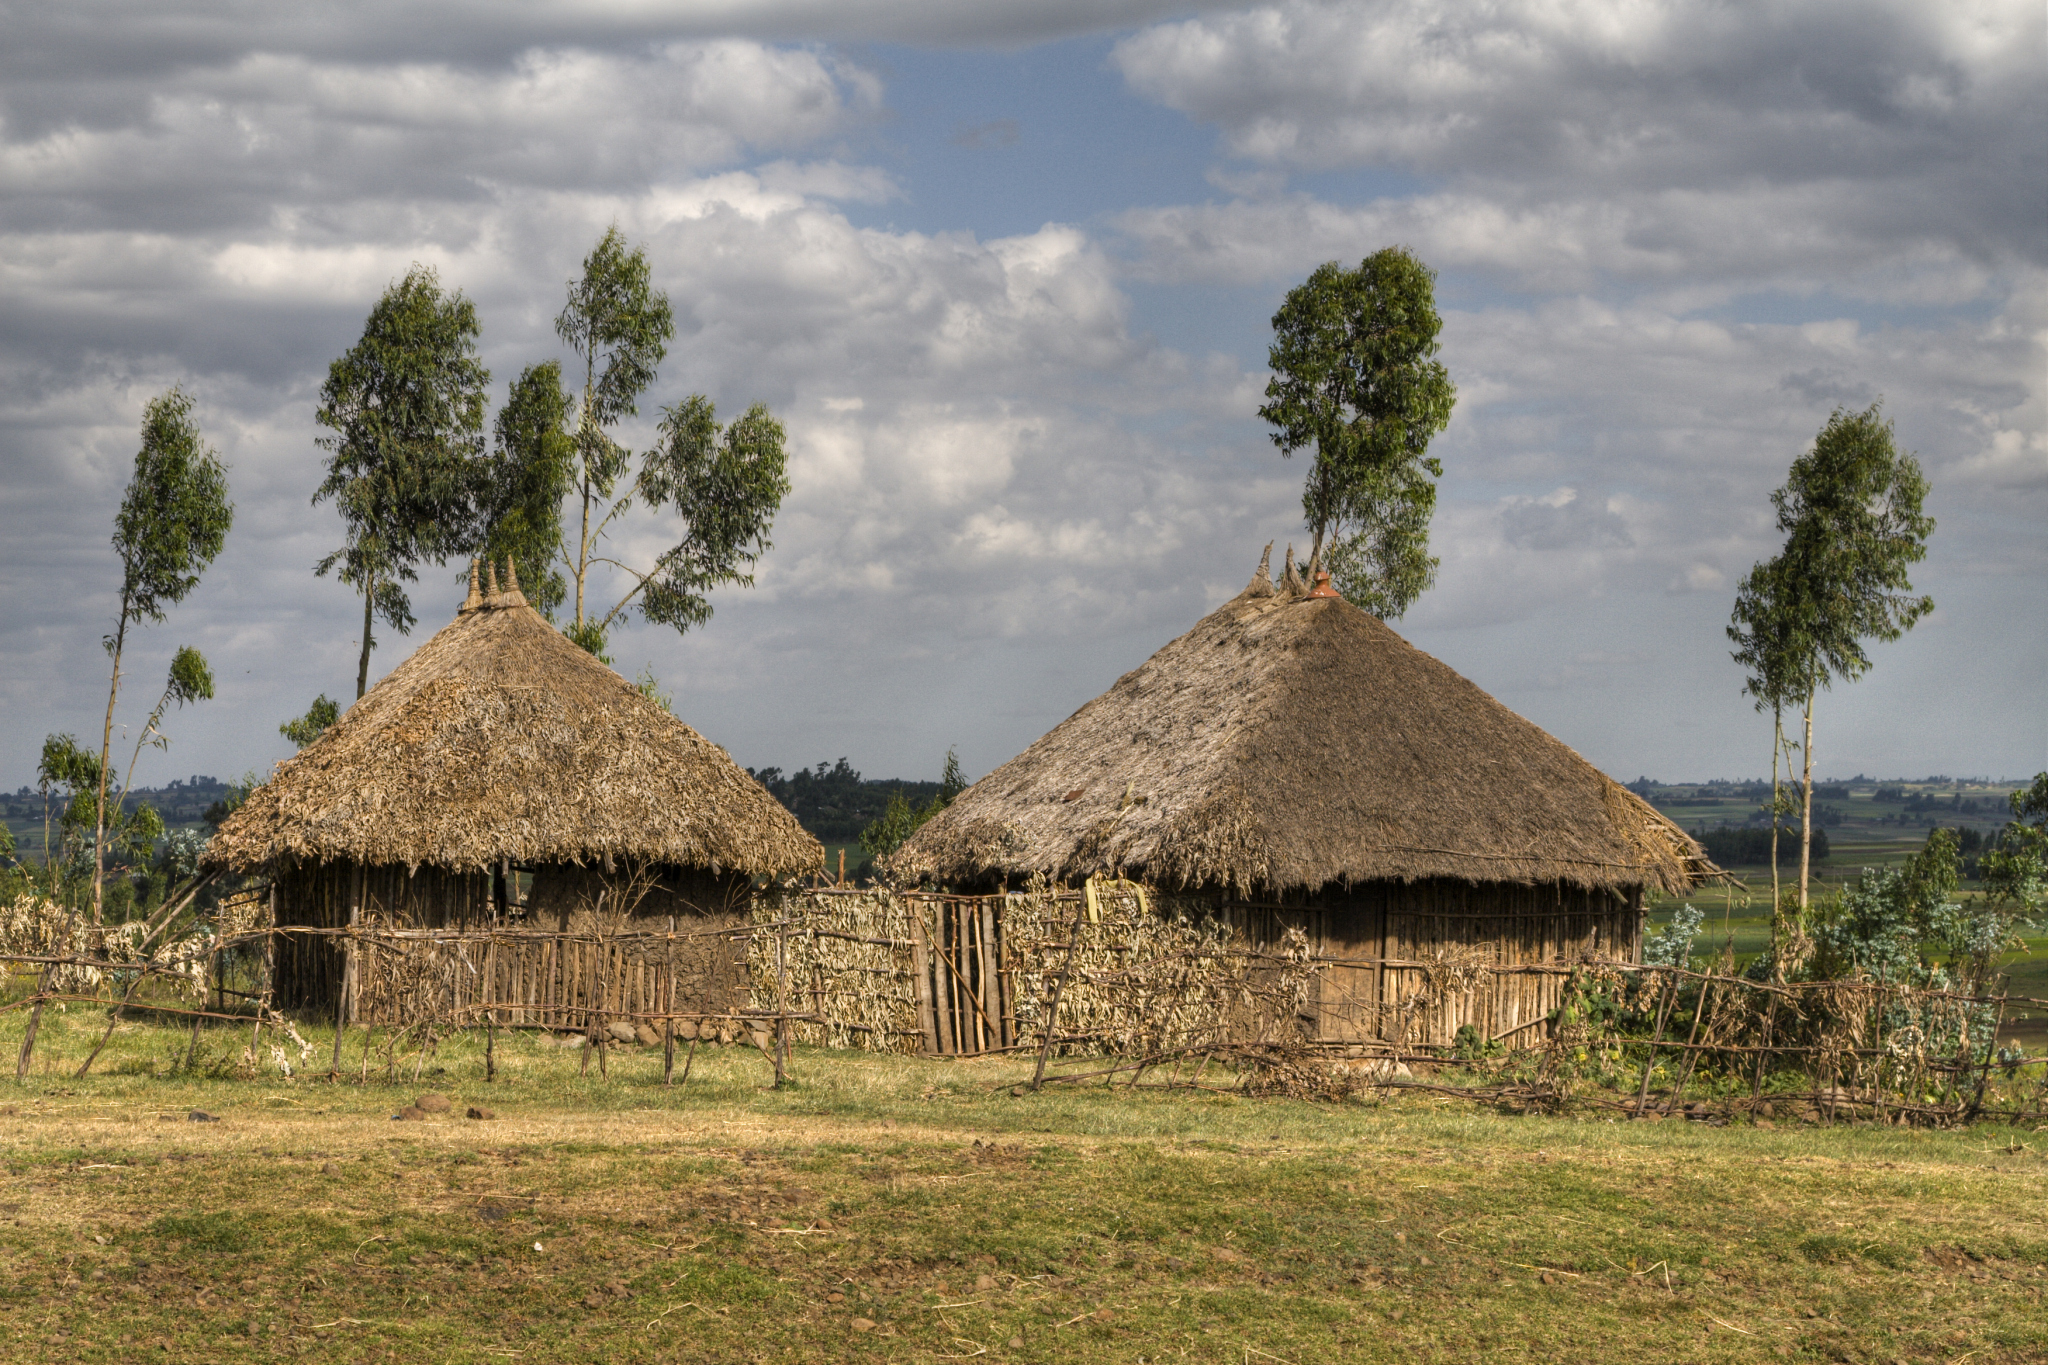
(835, 803)
(1749, 846)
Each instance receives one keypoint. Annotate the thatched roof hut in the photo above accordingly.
(1290, 742)
(500, 741)
(505, 785)
(1297, 768)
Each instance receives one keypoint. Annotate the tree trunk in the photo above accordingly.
(1777, 903)
(99, 837)
(583, 444)
(369, 610)
(1806, 807)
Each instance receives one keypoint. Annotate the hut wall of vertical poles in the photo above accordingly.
(1407, 962)
(548, 946)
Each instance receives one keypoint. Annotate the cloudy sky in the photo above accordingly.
(1007, 276)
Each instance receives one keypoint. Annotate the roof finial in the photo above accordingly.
(1262, 581)
(471, 602)
(491, 567)
(1291, 580)
(1322, 587)
(511, 575)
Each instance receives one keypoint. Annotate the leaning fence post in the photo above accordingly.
(35, 1014)
(1059, 985)
(668, 998)
(192, 1049)
(1990, 1051)
(35, 1020)
(1691, 1057)
(263, 995)
(113, 1018)
(1650, 1062)
(490, 1015)
(782, 1002)
(1763, 1055)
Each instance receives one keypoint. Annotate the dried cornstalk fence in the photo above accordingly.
(1108, 981)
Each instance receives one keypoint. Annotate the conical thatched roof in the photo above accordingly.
(499, 739)
(1290, 741)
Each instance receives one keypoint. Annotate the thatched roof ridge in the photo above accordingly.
(1290, 741)
(500, 739)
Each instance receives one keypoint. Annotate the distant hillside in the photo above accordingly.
(180, 803)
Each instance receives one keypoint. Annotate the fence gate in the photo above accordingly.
(962, 976)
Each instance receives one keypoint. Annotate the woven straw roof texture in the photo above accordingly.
(1288, 742)
(501, 739)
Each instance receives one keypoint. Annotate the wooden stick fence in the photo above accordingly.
(1100, 987)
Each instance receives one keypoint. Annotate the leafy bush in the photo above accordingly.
(1671, 946)
(900, 819)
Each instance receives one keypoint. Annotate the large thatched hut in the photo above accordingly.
(503, 779)
(1291, 762)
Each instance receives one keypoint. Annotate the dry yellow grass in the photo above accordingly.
(893, 1209)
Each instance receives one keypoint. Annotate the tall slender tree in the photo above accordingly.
(1851, 512)
(1356, 381)
(620, 325)
(1771, 643)
(174, 518)
(405, 405)
(722, 484)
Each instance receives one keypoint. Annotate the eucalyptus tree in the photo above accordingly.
(71, 772)
(620, 325)
(188, 681)
(1851, 512)
(532, 469)
(405, 405)
(1356, 380)
(722, 485)
(173, 520)
(303, 730)
(1771, 643)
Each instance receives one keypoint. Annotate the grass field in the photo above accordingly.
(889, 1209)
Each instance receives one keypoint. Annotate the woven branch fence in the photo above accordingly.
(1111, 981)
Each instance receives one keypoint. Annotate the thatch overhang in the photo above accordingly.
(1289, 742)
(500, 740)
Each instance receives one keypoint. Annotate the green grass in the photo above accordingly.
(885, 1208)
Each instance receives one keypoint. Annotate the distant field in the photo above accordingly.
(890, 1209)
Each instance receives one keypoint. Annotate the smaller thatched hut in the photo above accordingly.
(1293, 763)
(503, 778)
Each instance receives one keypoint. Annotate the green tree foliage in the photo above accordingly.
(68, 776)
(1355, 379)
(620, 324)
(1851, 513)
(405, 467)
(2016, 871)
(532, 468)
(723, 485)
(303, 730)
(900, 819)
(174, 519)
